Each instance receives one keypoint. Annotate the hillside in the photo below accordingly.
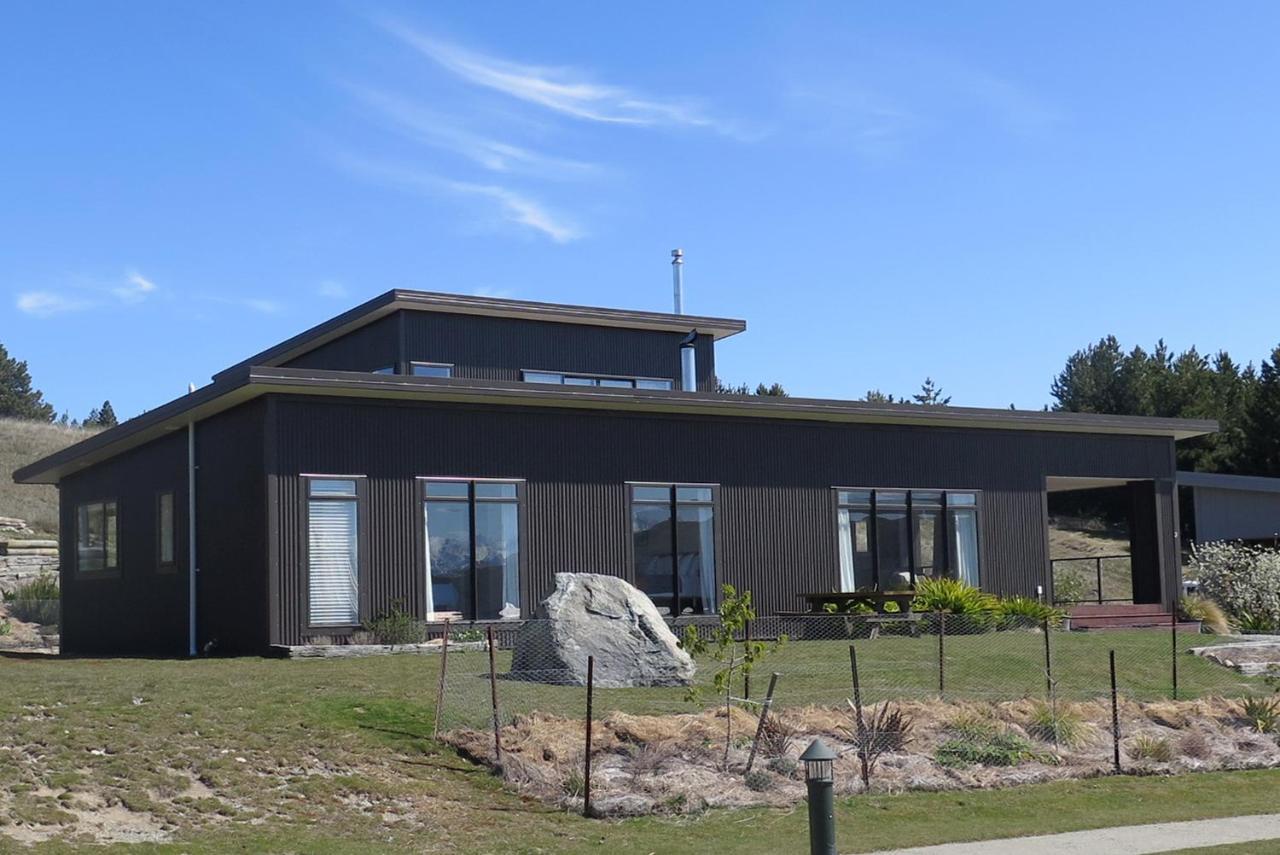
(22, 442)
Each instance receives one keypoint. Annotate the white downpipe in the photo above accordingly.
(191, 538)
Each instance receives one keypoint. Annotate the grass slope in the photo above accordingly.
(259, 755)
(23, 442)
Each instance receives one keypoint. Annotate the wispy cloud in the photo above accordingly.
(434, 129)
(333, 290)
(44, 304)
(511, 206)
(564, 90)
(132, 288)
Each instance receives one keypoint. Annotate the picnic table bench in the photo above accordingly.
(877, 600)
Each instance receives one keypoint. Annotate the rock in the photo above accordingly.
(626, 804)
(602, 616)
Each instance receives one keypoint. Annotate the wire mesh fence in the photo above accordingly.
(921, 656)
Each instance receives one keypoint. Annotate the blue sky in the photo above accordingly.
(884, 191)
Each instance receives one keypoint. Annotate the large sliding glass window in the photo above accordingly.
(887, 539)
(673, 540)
(333, 551)
(97, 537)
(472, 540)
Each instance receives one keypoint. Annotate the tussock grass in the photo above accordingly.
(23, 442)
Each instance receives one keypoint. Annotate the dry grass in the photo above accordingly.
(23, 442)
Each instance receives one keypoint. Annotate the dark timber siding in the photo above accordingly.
(487, 348)
(775, 515)
(231, 535)
(139, 609)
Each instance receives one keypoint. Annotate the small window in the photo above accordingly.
(609, 381)
(648, 383)
(165, 531)
(430, 369)
(386, 369)
(97, 537)
(543, 377)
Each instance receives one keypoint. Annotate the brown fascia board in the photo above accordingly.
(461, 304)
(253, 381)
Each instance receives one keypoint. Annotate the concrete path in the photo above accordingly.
(1122, 840)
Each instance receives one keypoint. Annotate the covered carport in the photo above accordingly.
(1229, 507)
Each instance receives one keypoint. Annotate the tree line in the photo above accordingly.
(19, 400)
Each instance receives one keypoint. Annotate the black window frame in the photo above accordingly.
(106, 571)
(471, 500)
(170, 566)
(416, 362)
(947, 563)
(673, 504)
(633, 379)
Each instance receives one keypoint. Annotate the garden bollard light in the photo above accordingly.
(819, 777)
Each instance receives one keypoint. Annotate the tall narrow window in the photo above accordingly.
(673, 539)
(97, 537)
(333, 554)
(472, 534)
(888, 539)
(165, 557)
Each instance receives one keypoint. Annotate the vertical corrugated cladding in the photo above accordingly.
(776, 518)
(233, 592)
(486, 348)
(141, 608)
(365, 349)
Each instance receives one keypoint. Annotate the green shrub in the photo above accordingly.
(35, 601)
(1244, 579)
(973, 608)
(1263, 714)
(998, 749)
(1018, 611)
(1154, 748)
(572, 784)
(464, 636)
(784, 766)
(758, 780)
(397, 627)
(1059, 725)
(1255, 622)
(1210, 615)
(5, 627)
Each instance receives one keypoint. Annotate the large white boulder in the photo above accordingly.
(602, 616)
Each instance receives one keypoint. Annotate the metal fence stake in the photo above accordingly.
(444, 669)
(1115, 717)
(862, 727)
(942, 634)
(493, 697)
(746, 672)
(1048, 663)
(586, 776)
(1173, 636)
(764, 714)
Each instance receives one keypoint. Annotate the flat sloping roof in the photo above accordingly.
(1243, 483)
(243, 384)
(461, 304)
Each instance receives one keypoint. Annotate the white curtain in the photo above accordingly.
(965, 525)
(426, 539)
(334, 578)
(707, 542)
(848, 581)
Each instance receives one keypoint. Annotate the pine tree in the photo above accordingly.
(1263, 420)
(103, 416)
(17, 399)
(875, 396)
(930, 395)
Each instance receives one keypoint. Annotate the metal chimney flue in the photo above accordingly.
(688, 356)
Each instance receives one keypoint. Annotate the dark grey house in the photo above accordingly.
(452, 453)
(1229, 507)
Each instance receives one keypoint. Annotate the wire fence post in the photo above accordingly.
(444, 669)
(1048, 663)
(746, 672)
(1173, 636)
(586, 763)
(1115, 717)
(942, 668)
(764, 715)
(862, 727)
(493, 699)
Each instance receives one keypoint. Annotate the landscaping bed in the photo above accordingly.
(673, 764)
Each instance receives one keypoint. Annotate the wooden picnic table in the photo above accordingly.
(876, 599)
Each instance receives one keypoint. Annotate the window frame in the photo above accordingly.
(522, 532)
(362, 551)
(673, 506)
(170, 566)
(415, 362)
(942, 561)
(634, 379)
(106, 571)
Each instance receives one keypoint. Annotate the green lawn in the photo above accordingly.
(991, 666)
(260, 755)
(1257, 847)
